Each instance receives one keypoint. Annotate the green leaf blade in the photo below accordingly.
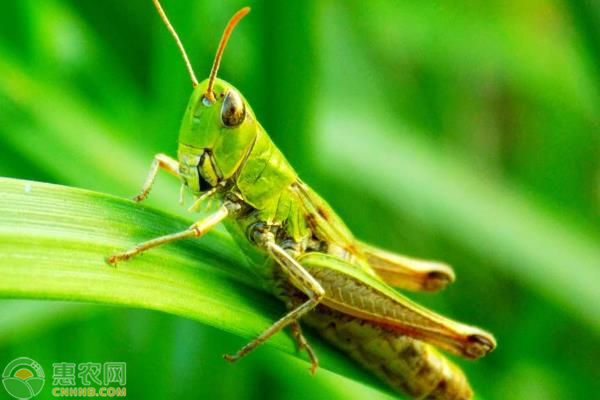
(54, 241)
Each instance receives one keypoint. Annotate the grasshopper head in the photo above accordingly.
(215, 136)
(218, 127)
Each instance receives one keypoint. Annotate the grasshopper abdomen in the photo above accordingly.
(406, 364)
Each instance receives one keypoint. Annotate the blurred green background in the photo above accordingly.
(463, 131)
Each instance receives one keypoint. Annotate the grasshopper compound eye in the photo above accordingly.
(233, 109)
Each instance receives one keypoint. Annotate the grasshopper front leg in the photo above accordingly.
(196, 230)
(304, 281)
(161, 161)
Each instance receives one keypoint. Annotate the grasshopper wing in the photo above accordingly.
(396, 270)
(406, 272)
(354, 292)
(322, 220)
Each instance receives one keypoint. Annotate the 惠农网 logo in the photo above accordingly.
(23, 378)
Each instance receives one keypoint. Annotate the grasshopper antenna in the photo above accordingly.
(163, 16)
(209, 95)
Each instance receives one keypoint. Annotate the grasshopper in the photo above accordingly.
(304, 253)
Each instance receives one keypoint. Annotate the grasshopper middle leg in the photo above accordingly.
(304, 345)
(305, 282)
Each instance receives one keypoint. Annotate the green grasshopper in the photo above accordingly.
(304, 252)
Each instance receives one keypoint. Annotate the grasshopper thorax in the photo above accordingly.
(215, 136)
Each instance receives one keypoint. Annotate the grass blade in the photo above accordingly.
(54, 239)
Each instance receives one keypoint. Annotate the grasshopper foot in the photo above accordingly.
(111, 261)
(140, 197)
(115, 258)
(314, 361)
(230, 358)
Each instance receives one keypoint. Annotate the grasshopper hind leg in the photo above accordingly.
(407, 272)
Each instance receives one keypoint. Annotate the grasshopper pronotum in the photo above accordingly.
(306, 255)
